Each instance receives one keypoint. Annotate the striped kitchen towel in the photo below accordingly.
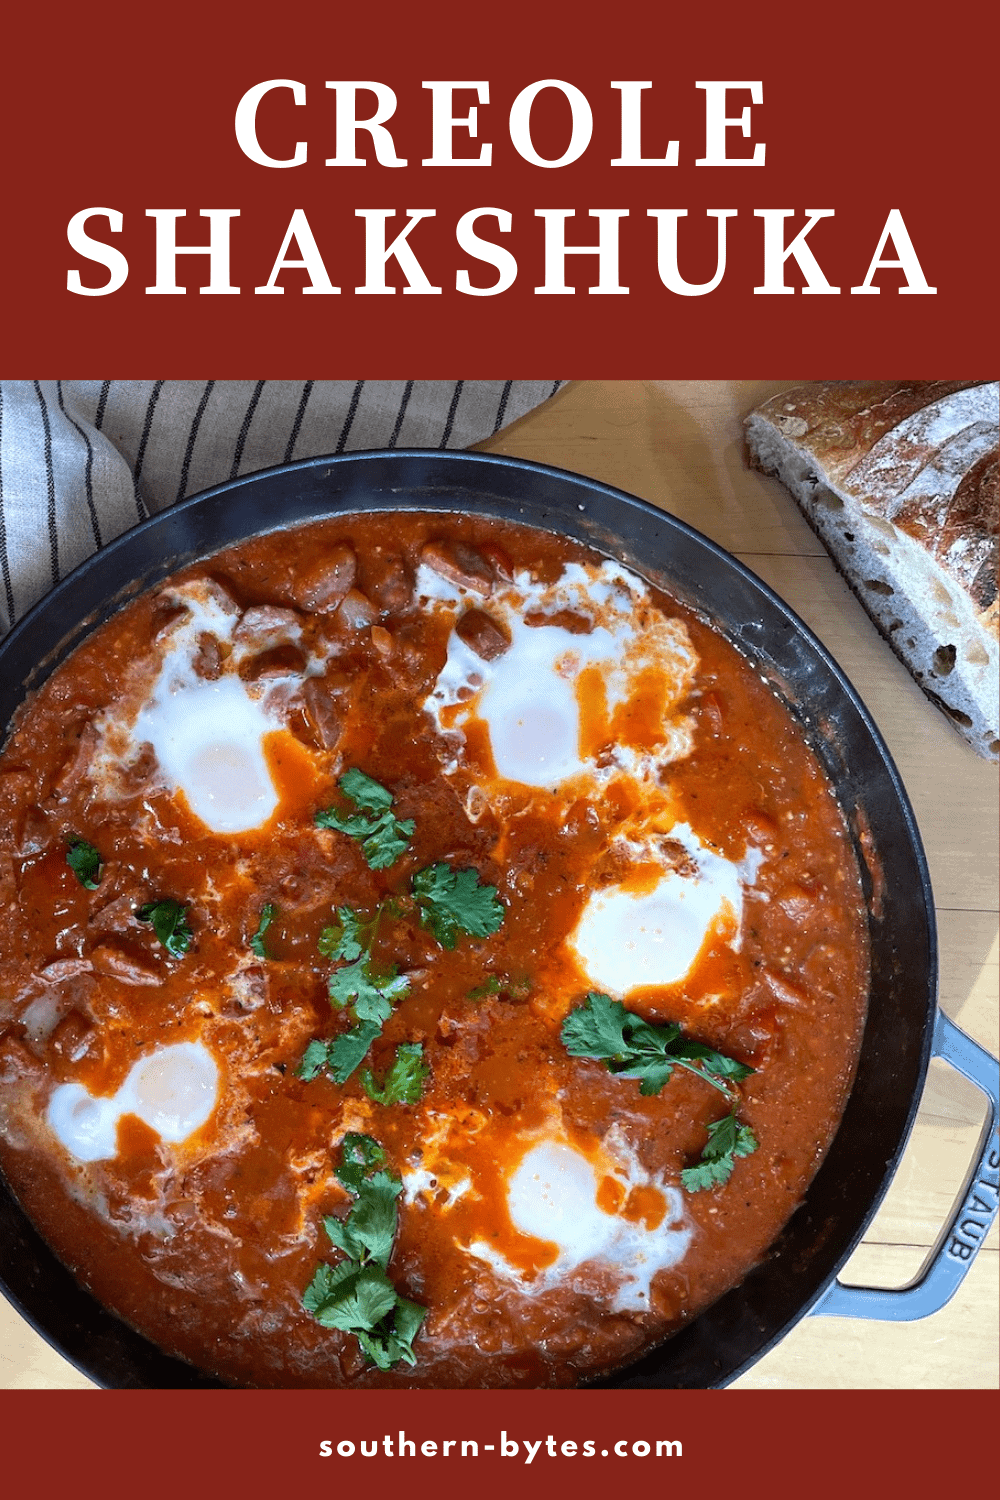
(83, 460)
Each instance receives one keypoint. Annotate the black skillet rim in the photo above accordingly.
(98, 1343)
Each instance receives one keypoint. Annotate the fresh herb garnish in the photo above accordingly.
(634, 1048)
(602, 1028)
(490, 987)
(85, 862)
(383, 836)
(314, 1060)
(366, 989)
(349, 1050)
(404, 1079)
(370, 994)
(356, 1295)
(169, 919)
(369, 989)
(453, 901)
(358, 1154)
(268, 912)
(727, 1139)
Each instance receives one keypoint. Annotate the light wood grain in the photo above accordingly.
(679, 445)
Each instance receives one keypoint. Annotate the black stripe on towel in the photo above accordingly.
(140, 503)
(501, 409)
(244, 430)
(404, 403)
(450, 420)
(88, 472)
(345, 431)
(307, 386)
(192, 439)
(50, 481)
(102, 403)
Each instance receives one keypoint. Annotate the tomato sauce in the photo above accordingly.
(207, 1244)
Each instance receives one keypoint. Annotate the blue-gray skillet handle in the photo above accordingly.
(966, 1230)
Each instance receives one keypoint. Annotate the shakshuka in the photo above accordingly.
(430, 955)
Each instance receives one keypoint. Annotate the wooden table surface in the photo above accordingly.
(679, 445)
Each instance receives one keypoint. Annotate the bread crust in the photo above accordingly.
(900, 481)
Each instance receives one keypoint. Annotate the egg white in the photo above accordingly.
(174, 1091)
(527, 696)
(625, 940)
(207, 734)
(552, 1196)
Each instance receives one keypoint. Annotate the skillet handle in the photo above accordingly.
(962, 1236)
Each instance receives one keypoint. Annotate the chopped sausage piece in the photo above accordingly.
(124, 964)
(166, 613)
(16, 789)
(389, 582)
(357, 611)
(460, 564)
(32, 833)
(248, 990)
(498, 561)
(323, 585)
(118, 915)
(140, 772)
(77, 763)
(280, 661)
(73, 1036)
(17, 1061)
(382, 640)
(207, 661)
(263, 622)
(710, 712)
(325, 710)
(64, 968)
(565, 619)
(220, 593)
(482, 634)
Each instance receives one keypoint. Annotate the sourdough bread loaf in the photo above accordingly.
(900, 481)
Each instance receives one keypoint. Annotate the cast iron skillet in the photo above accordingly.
(801, 1268)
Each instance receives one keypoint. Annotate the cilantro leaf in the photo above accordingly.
(369, 1229)
(364, 792)
(603, 1028)
(313, 1061)
(359, 1154)
(356, 1301)
(268, 912)
(404, 1080)
(348, 937)
(384, 1346)
(727, 1140)
(169, 919)
(85, 862)
(369, 991)
(370, 994)
(597, 1028)
(324, 1285)
(453, 901)
(357, 1295)
(383, 837)
(347, 1051)
(491, 986)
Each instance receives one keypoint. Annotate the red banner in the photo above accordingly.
(518, 207)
